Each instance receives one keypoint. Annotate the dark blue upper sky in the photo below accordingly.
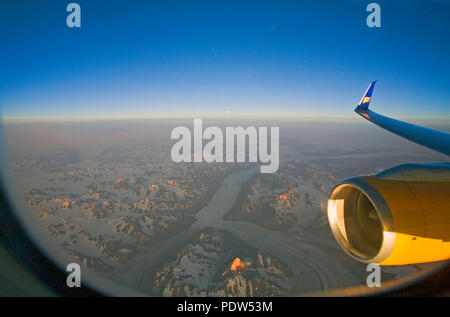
(305, 58)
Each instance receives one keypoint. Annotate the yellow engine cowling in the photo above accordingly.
(400, 216)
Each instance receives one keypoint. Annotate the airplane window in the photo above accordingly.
(212, 149)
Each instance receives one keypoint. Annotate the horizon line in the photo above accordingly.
(221, 116)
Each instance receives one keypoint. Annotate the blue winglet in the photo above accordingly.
(365, 100)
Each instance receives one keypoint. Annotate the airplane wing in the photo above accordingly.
(432, 139)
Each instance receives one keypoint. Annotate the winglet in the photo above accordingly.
(365, 100)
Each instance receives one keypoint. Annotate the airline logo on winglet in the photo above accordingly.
(367, 95)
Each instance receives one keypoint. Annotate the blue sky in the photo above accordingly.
(295, 58)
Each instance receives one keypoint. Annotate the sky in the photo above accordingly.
(199, 58)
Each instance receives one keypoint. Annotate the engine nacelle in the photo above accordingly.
(399, 216)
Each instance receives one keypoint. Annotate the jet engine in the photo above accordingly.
(399, 216)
